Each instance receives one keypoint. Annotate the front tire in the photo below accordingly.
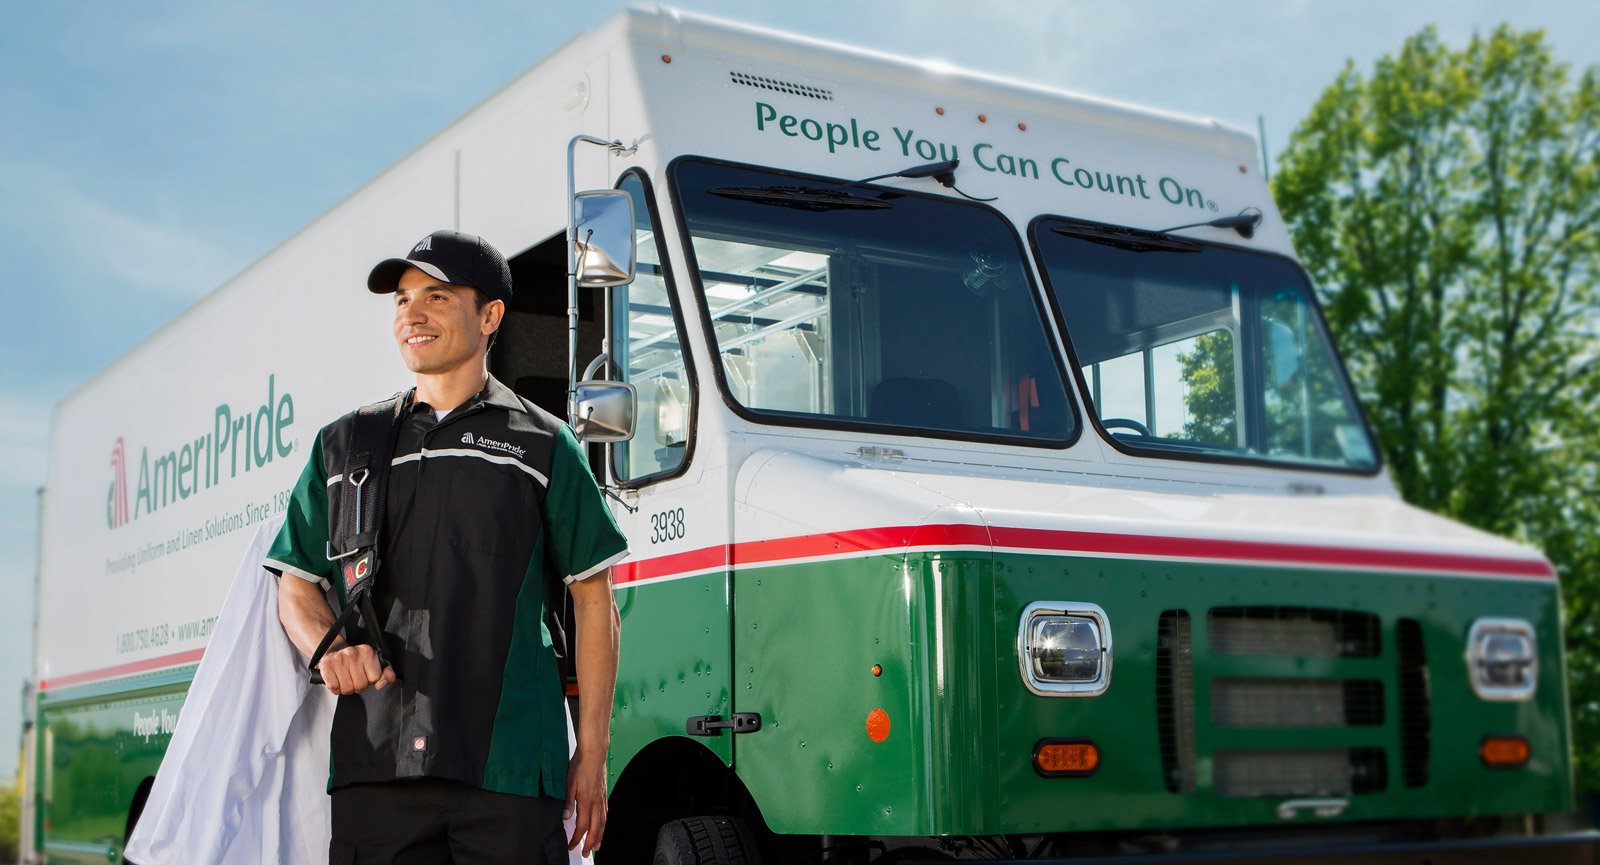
(135, 811)
(706, 841)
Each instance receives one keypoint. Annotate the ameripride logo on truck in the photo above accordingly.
(237, 441)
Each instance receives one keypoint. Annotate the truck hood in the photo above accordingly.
(783, 494)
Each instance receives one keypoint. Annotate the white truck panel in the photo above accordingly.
(136, 592)
(299, 319)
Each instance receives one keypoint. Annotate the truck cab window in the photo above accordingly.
(648, 351)
(857, 306)
(1197, 350)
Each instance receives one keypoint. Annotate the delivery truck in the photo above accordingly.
(995, 489)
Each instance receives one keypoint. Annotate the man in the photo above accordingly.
(449, 744)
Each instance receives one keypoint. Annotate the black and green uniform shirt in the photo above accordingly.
(486, 508)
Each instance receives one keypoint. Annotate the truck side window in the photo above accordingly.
(648, 349)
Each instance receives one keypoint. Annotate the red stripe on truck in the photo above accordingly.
(174, 660)
(1268, 552)
(891, 539)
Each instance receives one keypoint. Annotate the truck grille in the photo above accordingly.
(1175, 700)
(1416, 723)
(1296, 702)
(1301, 632)
(1300, 718)
(1322, 772)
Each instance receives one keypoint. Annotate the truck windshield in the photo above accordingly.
(1189, 349)
(867, 307)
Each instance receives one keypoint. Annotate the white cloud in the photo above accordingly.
(26, 411)
(24, 442)
(120, 249)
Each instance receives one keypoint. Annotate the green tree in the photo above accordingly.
(10, 823)
(1208, 392)
(1302, 395)
(1448, 205)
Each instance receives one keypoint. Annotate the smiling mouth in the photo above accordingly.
(419, 340)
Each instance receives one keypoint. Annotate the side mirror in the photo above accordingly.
(603, 411)
(605, 252)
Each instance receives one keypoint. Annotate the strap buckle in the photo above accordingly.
(355, 478)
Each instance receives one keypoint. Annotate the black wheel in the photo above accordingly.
(706, 841)
(135, 810)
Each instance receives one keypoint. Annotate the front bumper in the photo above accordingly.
(1572, 848)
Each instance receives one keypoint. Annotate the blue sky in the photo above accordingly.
(152, 150)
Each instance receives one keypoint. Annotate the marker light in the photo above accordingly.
(1056, 758)
(877, 725)
(1504, 752)
(1502, 659)
(1064, 649)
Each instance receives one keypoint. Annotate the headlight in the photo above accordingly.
(1503, 659)
(1064, 649)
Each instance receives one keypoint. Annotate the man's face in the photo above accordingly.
(438, 326)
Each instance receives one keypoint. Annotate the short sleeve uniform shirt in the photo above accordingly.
(487, 509)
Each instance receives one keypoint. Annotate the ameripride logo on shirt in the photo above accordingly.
(468, 438)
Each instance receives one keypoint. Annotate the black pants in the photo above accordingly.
(429, 821)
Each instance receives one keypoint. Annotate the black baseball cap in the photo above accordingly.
(452, 257)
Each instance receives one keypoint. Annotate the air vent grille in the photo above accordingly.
(1238, 702)
(1313, 681)
(778, 85)
(1175, 700)
(1302, 632)
(1416, 723)
(1323, 772)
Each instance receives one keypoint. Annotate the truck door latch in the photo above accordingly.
(712, 725)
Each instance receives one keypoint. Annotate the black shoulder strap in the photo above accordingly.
(356, 520)
(355, 524)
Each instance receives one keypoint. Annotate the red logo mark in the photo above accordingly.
(117, 496)
(355, 571)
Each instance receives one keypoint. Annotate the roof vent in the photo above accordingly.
(781, 86)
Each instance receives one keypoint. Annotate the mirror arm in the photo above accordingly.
(594, 365)
(605, 332)
(611, 492)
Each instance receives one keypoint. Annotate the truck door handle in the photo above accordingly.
(712, 725)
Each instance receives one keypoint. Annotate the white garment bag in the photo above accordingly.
(244, 779)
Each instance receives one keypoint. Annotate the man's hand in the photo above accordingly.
(306, 617)
(595, 612)
(353, 669)
(586, 800)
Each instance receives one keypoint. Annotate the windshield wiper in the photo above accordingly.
(813, 198)
(1130, 239)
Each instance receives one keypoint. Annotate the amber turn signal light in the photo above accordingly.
(1504, 752)
(1058, 758)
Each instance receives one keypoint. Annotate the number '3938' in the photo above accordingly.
(667, 526)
